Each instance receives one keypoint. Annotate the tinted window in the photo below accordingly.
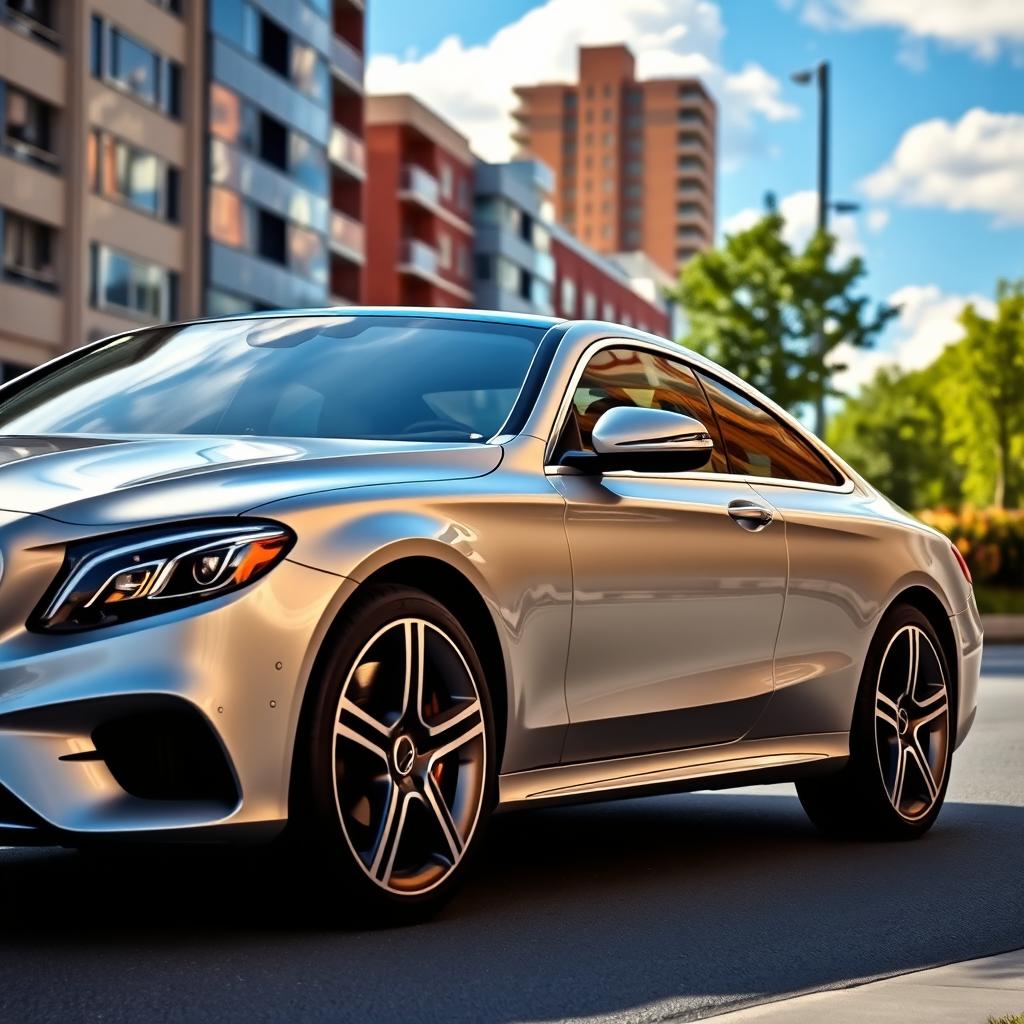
(400, 378)
(631, 377)
(758, 444)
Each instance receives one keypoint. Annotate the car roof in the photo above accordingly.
(432, 312)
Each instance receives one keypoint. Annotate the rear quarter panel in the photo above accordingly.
(851, 555)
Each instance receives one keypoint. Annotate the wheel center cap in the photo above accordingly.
(403, 755)
(902, 721)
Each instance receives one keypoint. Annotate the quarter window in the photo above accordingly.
(760, 445)
(629, 377)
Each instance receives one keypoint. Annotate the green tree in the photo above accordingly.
(759, 308)
(892, 432)
(983, 398)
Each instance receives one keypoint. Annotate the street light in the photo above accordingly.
(820, 74)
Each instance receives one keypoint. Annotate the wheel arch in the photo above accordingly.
(930, 605)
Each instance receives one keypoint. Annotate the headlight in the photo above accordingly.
(130, 575)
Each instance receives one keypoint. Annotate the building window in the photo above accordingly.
(121, 282)
(607, 115)
(634, 168)
(690, 116)
(633, 213)
(120, 60)
(28, 251)
(447, 180)
(482, 267)
(271, 232)
(462, 261)
(633, 239)
(273, 141)
(444, 250)
(589, 306)
(608, 312)
(688, 209)
(171, 6)
(687, 232)
(26, 127)
(567, 297)
(689, 163)
(691, 92)
(130, 175)
(33, 18)
(274, 50)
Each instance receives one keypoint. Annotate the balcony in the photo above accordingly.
(421, 260)
(347, 61)
(348, 237)
(347, 151)
(418, 256)
(420, 184)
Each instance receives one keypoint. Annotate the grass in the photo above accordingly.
(999, 601)
(1010, 1018)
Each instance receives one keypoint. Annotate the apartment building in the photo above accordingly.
(634, 160)
(513, 267)
(162, 159)
(419, 206)
(591, 286)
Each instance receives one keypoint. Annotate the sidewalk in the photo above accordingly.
(965, 993)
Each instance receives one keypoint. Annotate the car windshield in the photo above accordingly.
(381, 377)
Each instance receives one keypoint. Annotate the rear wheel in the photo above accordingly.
(901, 743)
(401, 771)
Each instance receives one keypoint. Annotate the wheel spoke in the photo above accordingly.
(389, 836)
(359, 727)
(896, 793)
(413, 682)
(462, 725)
(885, 710)
(924, 769)
(913, 660)
(437, 804)
(937, 706)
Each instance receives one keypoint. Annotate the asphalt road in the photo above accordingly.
(665, 909)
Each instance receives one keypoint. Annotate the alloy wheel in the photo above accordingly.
(409, 765)
(912, 723)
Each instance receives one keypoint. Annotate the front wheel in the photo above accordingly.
(401, 767)
(901, 743)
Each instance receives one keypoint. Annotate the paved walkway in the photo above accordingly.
(965, 993)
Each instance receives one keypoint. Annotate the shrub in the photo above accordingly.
(991, 540)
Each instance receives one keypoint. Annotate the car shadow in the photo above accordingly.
(693, 903)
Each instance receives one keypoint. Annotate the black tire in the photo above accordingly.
(337, 815)
(868, 798)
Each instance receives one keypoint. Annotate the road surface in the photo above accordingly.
(669, 908)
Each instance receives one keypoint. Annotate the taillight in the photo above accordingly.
(964, 568)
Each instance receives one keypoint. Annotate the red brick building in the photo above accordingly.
(419, 207)
(589, 286)
(635, 161)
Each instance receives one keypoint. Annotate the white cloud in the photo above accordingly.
(878, 219)
(927, 323)
(984, 27)
(975, 164)
(472, 85)
(800, 211)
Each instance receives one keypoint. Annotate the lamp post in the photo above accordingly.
(820, 75)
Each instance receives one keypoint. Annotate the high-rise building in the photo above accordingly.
(419, 206)
(164, 159)
(513, 267)
(634, 160)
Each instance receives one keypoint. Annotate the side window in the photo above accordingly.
(631, 377)
(758, 444)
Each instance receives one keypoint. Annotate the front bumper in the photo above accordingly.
(238, 665)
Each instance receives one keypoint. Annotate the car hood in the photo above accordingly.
(117, 480)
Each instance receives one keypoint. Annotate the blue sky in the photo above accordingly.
(928, 117)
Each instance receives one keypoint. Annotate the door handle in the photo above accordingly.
(749, 515)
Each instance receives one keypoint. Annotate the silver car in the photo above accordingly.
(360, 578)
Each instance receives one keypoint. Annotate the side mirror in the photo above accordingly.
(644, 440)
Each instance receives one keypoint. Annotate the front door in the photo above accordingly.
(678, 593)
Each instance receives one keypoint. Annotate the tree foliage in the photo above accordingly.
(953, 433)
(758, 307)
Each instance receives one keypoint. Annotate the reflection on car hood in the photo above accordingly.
(109, 480)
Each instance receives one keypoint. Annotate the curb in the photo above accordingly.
(1003, 629)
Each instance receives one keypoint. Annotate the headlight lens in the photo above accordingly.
(128, 576)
